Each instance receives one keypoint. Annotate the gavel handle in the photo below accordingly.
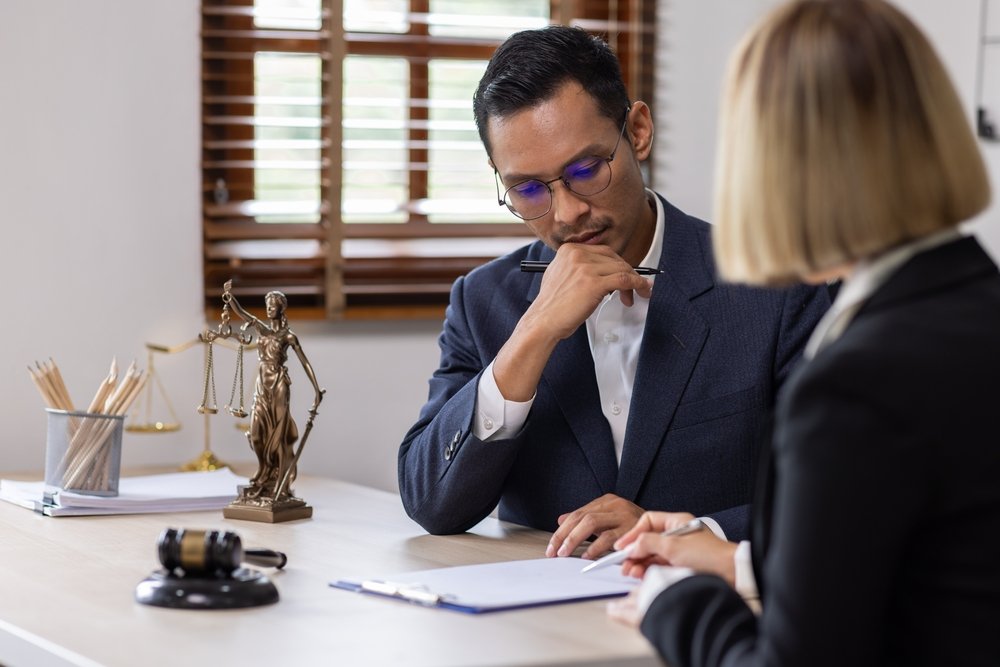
(264, 558)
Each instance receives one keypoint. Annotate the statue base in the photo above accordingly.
(267, 510)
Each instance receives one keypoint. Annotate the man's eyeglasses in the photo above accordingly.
(586, 177)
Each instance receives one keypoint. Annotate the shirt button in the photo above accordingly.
(488, 424)
(616, 409)
(610, 338)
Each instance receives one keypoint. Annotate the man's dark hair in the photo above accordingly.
(531, 65)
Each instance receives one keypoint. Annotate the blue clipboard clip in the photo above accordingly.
(415, 593)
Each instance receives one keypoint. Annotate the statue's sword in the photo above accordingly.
(295, 459)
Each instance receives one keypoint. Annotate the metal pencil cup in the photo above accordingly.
(83, 452)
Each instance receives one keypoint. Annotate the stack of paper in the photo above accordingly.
(171, 492)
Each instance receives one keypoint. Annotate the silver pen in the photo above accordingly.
(616, 557)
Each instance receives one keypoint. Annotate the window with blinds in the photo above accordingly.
(340, 159)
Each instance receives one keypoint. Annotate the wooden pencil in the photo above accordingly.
(91, 444)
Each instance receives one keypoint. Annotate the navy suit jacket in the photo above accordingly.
(877, 524)
(712, 358)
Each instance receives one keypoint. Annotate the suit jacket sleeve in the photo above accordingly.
(802, 309)
(449, 480)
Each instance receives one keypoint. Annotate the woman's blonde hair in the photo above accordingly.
(841, 136)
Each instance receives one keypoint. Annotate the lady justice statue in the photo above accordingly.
(272, 434)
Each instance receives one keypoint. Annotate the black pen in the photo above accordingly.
(265, 558)
(536, 266)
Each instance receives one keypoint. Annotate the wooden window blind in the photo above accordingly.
(340, 159)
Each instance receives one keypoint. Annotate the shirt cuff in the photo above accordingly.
(746, 583)
(497, 417)
(713, 526)
(657, 579)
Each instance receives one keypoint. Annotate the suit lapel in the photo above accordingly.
(674, 336)
(570, 376)
(671, 344)
(761, 510)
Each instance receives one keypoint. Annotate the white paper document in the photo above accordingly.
(497, 586)
(170, 492)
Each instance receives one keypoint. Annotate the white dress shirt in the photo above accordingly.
(615, 334)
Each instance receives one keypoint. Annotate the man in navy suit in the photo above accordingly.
(579, 397)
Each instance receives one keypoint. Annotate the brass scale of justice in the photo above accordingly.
(207, 460)
(272, 510)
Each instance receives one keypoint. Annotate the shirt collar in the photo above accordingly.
(652, 258)
(864, 280)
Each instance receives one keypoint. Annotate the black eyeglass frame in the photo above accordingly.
(502, 200)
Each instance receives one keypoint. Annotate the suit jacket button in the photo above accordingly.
(450, 450)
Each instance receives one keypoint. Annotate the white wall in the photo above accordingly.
(695, 39)
(103, 250)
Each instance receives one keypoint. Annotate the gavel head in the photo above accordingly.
(200, 552)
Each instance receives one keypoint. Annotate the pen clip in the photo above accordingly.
(410, 592)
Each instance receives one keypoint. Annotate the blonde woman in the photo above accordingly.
(845, 153)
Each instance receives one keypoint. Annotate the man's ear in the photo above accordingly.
(640, 129)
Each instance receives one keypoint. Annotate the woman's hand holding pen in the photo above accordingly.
(701, 551)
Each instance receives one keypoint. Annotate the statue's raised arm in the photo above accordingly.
(229, 299)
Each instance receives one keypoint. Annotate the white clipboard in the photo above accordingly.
(477, 589)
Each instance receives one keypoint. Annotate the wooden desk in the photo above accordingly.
(67, 584)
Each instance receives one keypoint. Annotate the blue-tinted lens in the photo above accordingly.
(588, 176)
(528, 199)
(529, 191)
(584, 169)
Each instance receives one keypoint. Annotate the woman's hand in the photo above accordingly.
(701, 551)
(626, 610)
